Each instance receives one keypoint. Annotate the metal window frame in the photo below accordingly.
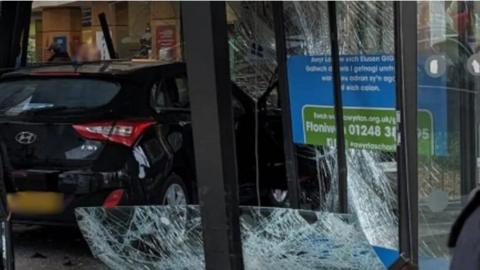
(283, 89)
(468, 149)
(405, 16)
(208, 69)
(342, 173)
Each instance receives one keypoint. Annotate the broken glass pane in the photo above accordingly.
(278, 238)
(144, 237)
(372, 193)
(371, 174)
(364, 28)
(251, 40)
(165, 237)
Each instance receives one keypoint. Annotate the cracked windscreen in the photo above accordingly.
(166, 237)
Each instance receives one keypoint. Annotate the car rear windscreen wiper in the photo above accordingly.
(44, 110)
(53, 110)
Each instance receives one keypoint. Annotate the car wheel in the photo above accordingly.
(174, 192)
(279, 197)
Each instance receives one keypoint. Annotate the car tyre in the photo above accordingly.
(174, 192)
(278, 197)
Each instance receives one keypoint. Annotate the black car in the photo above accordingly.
(119, 133)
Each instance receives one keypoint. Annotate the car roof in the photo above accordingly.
(108, 67)
(140, 70)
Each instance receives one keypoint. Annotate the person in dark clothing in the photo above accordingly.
(58, 54)
(465, 237)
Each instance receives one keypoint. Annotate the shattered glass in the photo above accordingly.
(144, 237)
(306, 27)
(363, 28)
(275, 238)
(372, 193)
(157, 237)
(368, 28)
(251, 40)
(373, 197)
(166, 237)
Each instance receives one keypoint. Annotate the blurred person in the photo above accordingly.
(58, 54)
(87, 53)
(461, 18)
(465, 236)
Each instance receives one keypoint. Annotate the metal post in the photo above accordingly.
(337, 92)
(12, 23)
(406, 89)
(466, 120)
(289, 147)
(468, 163)
(26, 34)
(106, 35)
(206, 55)
(14, 20)
(8, 257)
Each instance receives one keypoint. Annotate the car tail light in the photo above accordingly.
(124, 132)
(113, 198)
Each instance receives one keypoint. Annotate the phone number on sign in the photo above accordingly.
(378, 131)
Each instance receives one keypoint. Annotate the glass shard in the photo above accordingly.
(165, 237)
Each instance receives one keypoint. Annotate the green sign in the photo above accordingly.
(365, 128)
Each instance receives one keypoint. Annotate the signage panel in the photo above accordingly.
(368, 91)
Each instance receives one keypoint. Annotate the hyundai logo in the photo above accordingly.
(26, 137)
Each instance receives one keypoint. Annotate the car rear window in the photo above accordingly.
(59, 94)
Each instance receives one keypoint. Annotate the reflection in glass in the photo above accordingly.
(447, 90)
(146, 30)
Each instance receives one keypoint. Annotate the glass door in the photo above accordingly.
(448, 74)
